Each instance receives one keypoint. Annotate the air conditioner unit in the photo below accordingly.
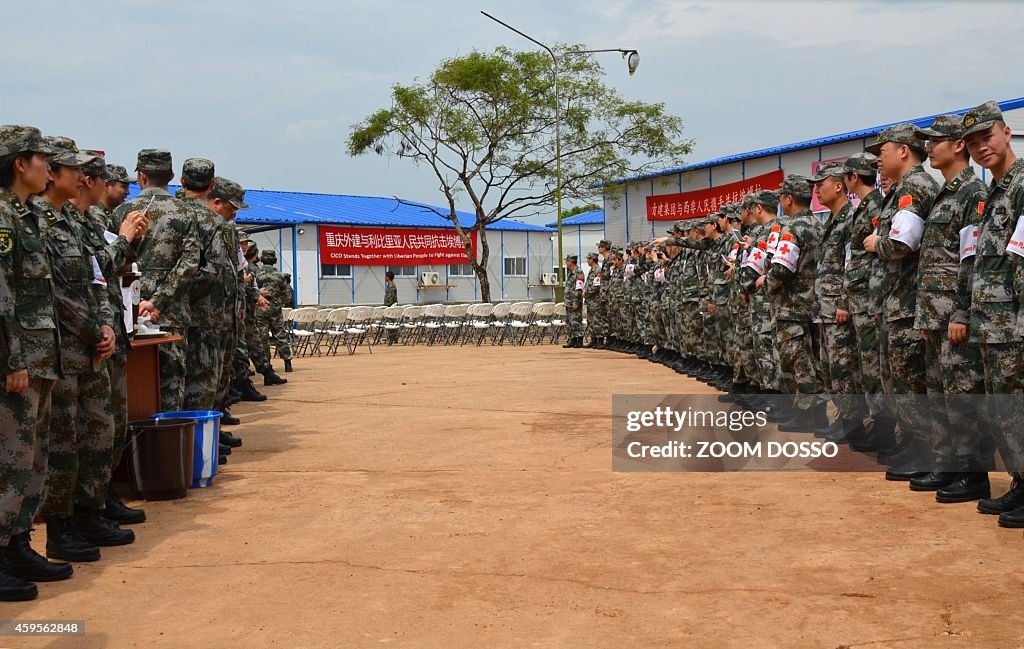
(549, 279)
(430, 279)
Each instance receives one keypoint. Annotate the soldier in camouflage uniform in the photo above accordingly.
(573, 300)
(168, 261)
(613, 297)
(270, 321)
(954, 372)
(116, 192)
(591, 288)
(30, 359)
(207, 293)
(839, 354)
(790, 278)
(993, 275)
(739, 339)
(900, 227)
(862, 288)
(82, 427)
(762, 237)
(597, 309)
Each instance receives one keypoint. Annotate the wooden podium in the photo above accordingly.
(144, 376)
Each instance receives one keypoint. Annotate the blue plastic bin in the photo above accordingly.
(204, 451)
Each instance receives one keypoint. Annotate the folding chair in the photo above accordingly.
(304, 320)
(501, 315)
(320, 328)
(478, 322)
(356, 331)
(432, 323)
(390, 323)
(335, 321)
(541, 323)
(411, 324)
(520, 321)
(558, 323)
(454, 319)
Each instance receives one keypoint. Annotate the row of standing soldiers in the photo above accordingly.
(900, 307)
(68, 237)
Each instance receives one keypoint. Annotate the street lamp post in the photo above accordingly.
(632, 61)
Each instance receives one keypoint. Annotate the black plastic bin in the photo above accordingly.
(160, 457)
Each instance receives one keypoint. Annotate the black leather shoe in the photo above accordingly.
(227, 419)
(966, 487)
(65, 542)
(25, 563)
(101, 531)
(15, 589)
(118, 511)
(222, 460)
(223, 449)
(229, 440)
(1013, 518)
(933, 481)
(1009, 501)
(288, 365)
(905, 473)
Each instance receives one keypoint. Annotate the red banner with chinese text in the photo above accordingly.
(688, 205)
(391, 246)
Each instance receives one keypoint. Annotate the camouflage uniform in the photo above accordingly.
(990, 286)
(791, 278)
(591, 288)
(234, 301)
(573, 300)
(756, 262)
(597, 309)
(270, 323)
(82, 426)
(952, 371)
(168, 260)
(840, 366)
(28, 342)
(255, 349)
(900, 227)
(613, 296)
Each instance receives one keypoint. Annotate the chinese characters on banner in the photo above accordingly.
(391, 246)
(688, 205)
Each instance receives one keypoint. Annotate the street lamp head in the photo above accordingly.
(632, 61)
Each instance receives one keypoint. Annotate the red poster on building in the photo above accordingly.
(391, 246)
(688, 205)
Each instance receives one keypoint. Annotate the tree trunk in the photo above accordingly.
(480, 267)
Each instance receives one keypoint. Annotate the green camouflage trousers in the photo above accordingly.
(205, 363)
(953, 373)
(117, 365)
(81, 443)
(173, 373)
(597, 310)
(798, 347)
(903, 372)
(574, 321)
(24, 432)
(840, 368)
(228, 343)
(256, 350)
(1004, 375)
(869, 345)
(271, 326)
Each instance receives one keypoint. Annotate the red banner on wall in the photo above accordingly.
(688, 205)
(391, 246)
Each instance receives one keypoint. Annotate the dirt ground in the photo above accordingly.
(383, 500)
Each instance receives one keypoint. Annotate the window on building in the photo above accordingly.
(515, 266)
(335, 270)
(403, 271)
(461, 270)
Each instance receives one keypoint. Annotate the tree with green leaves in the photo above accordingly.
(484, 125)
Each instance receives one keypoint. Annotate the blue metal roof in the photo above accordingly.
(593, 217)
(1009, 104)
(295, 208)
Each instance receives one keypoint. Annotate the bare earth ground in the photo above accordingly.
(384, 500)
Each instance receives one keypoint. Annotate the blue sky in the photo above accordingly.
(269, 90)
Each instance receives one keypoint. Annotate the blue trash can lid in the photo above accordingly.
(202, 415)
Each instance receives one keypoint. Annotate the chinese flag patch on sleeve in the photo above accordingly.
(906, 201)
(981, 207)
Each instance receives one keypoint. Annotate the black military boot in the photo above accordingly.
(100, 530)
(229, 440)
(15, 589)
(1013, 518)
(116, 510)
(570, 344)
(288, 365)
(847, 431)
(270, 377)
(223, 449)
(920, 464)
(65, 542)
(967, 487)
(222, 460)
(1009, 501)
(933, 481)
(25, 563)
(227, 419)
(249, 392)
(805, 421)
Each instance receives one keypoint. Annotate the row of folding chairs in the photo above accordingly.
(315, 332)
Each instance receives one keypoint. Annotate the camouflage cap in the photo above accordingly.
(230, 191)
(748, 201)
(905, 133)
(766, 198)
(827, 170)
(951, 126)
(197, 171)
(617, 253)
(67, 154)
(982, 118)
(97, 167)
(118, 174)
(593, 255)
(604, 243)
(796, 185)
(679, 226)
(573, 258)
(154, 160)
(863, 164)
(15, 139)
(268, 257)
